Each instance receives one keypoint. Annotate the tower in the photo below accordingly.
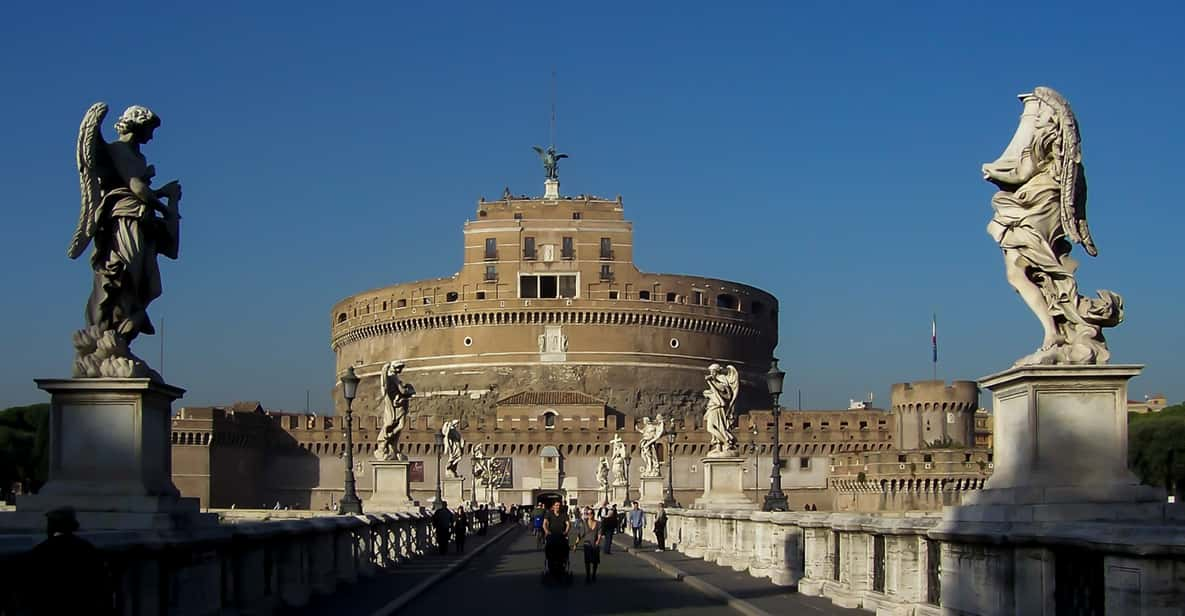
(932, 412)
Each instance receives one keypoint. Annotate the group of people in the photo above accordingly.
(561, 528)
(455, 525)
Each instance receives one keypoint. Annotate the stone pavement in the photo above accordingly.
(372, 595)
(506, 579)
(746, 594)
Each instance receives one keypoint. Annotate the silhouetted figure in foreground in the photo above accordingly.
(460, 528)
(442, 522)
(65, 573)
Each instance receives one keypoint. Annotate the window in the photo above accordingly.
(927, 458)
(864, 425)
(451, 296)
(901, 457)
(549, 420)
(804, 463)
(575, 215)
(547, 286)
(606, 273)
(699, 298)
(966, 457)
(613, 295)
(341, 317)
(606, 248)
(427, 300)
(672, 297)
(806, 425)
(491, 248)
(481, 295)
(491, 273)
(401, 303)
(644, 295)
(518, 215)
(567, 248)
(843, 425)
(823, 425)
(757, 308)
(729, 302)
(384, 306)
(528, 248)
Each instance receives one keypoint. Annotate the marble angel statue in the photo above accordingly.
(723, 385)
(130, 224)
(651, 431)
(1039, 214)
(481, 465)
(394, 398)
(603, 473)
(618, 461)
(454, 445)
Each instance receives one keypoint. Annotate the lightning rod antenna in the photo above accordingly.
(553, 90)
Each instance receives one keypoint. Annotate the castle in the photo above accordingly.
(547, 343)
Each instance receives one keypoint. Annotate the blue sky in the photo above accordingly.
(827, 152)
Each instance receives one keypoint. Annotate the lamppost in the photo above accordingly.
(350, 504)
(627, 482)
(668, 498)
(775, 500)
(756, 457)
(438, 501)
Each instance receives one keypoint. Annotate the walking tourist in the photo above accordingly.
(65, 573)
(636, 518)
(460, 529)
(483, 520)
(590, 540)
(660, 528)
(610, 527)
(442, 522)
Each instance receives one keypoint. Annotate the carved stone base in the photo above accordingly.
(620, 494)
(724, 485)
(390, 489)
(652, 492)
(453, 490)
(110, 458)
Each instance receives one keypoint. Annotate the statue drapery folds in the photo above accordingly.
(130, 224)
(723, 385)
(1039, 214)
(394, 400)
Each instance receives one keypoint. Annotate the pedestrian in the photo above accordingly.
(610, 527)
(590, 540)
(537, 521)
(484, 520)
(577, 520)
(660, 528)
(636, 518)
(65, 573)
(460, 529)
(442, 522)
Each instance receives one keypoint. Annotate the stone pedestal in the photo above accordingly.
(110, 458)
(724, 485)
(551, 189)
(453, 490)
(619, 495)
(1061, 449)
(390, 490)
(652, 492)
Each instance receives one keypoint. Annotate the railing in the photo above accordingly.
(240, 567)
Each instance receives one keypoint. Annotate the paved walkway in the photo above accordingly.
(370, 595)
(506, 579)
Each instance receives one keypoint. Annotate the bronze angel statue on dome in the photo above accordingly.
(129, 223)
(1040, 213)
(551, 161)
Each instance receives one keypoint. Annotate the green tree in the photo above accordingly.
(24, 445)
(1156, 447)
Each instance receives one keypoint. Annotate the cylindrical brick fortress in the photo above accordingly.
(933, 413)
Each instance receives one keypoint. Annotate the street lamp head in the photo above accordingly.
(439, 439)
(350, 384)
(773, 378)
(671, 437)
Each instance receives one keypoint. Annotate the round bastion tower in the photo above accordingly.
(549, 323)
(932, 413)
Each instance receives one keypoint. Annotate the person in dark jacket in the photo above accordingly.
(66, 574)
(610, 525)
(660, 528)
(442, 522)
(460, 528)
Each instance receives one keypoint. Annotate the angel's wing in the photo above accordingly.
(559, 156)
(538, 150)
(89, 156)
(1073, 176)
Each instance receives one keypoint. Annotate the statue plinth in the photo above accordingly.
(453, 490)
(619, 493)
(1061, 449)
(390, 490)
(724, 481)
(551, 189)
(651, 491)
(110, 458)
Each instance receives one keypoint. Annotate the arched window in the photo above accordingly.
(549, 420)
(341, 317)
(730, 302)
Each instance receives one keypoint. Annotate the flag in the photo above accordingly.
(934, 336)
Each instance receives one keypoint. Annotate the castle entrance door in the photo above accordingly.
(547, 497)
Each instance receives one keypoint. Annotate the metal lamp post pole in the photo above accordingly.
(668, 499)
(627, 482)
(350, 504)
(775, 500)
(439, 501)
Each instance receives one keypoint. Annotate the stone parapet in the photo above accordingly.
(919, 563)
(241, 567)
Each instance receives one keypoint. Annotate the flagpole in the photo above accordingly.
(934, 343)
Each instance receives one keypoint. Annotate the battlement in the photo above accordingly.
(959, 395)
